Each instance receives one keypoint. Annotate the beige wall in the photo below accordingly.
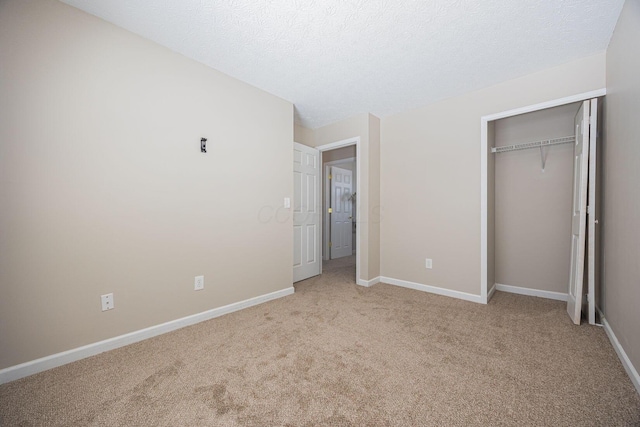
(344, 129)
(532, 206)
(430, 175)
(339, 154)
(361, 126)
(621, 227)
(103, 187)
(303, 135)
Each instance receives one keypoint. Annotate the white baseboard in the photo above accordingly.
(432, 289)
(33, 367)
(626, 362)
(532, 292)
(491, 292)
(368, 283)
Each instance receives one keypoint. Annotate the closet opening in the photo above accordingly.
(536, 238)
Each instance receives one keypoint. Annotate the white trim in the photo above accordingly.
(622, 355)
(548, 104)
(338, 144)
(327, 202)
(532, 292)
(484, 212)
(491, 292)
(431, 289)
(369, 283)
(33, 367)
(484, 120)
(340, 161)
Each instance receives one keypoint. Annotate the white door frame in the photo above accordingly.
(485, 292)
(331, 146)
(327, 200)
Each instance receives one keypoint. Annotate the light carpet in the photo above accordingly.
(337, 354)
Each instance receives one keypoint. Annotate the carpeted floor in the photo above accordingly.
(336, 354)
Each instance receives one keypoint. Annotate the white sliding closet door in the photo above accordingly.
(579, 211)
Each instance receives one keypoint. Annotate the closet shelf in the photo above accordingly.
(537, 144)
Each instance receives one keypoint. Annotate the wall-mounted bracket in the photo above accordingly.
(543, 159)
(203, 145)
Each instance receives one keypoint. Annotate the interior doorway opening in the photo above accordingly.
(339, 199)
(341, 184)
(339, 208)
(321, 238)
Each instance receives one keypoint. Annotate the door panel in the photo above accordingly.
(312, 243)
(297, 246)
(579, 209)
(342, 215)
(306, 215)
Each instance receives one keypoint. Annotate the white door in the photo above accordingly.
(579, 211)
(592, 232)
(341, 213)
(306, 212)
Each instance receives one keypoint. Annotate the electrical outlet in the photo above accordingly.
(107, 302)
(429, 263)
(199, 283)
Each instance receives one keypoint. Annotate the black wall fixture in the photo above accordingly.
(203, 145)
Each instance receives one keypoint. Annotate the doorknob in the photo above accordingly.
(350, 217)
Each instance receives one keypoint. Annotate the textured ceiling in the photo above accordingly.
(337, 58)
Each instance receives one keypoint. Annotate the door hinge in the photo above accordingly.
(330, 210)
(330, 244)
(330, 176)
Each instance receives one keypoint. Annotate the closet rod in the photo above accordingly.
(537, 144)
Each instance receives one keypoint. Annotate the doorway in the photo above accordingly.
(344, 155)
(346, 160)
(339, 196)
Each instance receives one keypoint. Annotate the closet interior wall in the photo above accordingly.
(532, 207)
